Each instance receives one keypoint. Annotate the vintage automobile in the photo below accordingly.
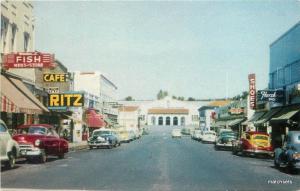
(36, 141)
(289, 155)
(176, 133)
(103, 138)
(208, 137)
(124, 136)
(9, 148)
(253, 142)
(224, 140)
(197, 135)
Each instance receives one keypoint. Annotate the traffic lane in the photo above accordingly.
(207, 169)
(132, 166)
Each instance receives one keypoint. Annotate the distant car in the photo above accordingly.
(185, 131)
(124, 136)
(197, 135)
(252, 142)
(9, 148)
(176, 133)
(208, 137)
(37, 141)
(103, 138)
(224, 140)
(289, 155)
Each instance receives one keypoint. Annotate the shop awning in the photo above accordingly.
(235, 122)
(286, 113)
(17, 98)
(256, 116)
(267, 116)
(94, 120)
(219, 124)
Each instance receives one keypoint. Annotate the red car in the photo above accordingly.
(36, 141)
(253, 142)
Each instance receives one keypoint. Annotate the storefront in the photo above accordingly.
(18, 104)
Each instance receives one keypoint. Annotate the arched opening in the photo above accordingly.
(160, 121)
(168, 121)
(153, 120)
(182, 121)
(175, 121)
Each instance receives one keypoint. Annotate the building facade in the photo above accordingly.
(129, 116)
(95, 83)
(167, 112)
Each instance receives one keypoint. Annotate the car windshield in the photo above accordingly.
(229, 134)
(260, 137)
(102, 133)
(34, 130)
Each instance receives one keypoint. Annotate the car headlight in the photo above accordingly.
(37, 142)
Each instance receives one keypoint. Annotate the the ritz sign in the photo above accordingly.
(28, 60)
(65, 100)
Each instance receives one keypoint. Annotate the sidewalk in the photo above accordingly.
(78, 146)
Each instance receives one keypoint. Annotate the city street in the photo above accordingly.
(154, 162)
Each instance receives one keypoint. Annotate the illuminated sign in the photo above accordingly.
(53, 90)
(270, 95)
(28, 60)
(65, 100)
(55, 77)
(252, 91)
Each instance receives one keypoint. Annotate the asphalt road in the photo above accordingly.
(155, 162)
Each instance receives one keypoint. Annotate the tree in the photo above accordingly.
(129, 98)
(162, 94)
(191, 99)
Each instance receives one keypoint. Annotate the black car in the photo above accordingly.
(289, 155)
(104, 138)
(225, 139)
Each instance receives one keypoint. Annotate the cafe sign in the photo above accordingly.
(252, 91)
(64, 100)
(270, 95)
(28, 60)
(55, 77)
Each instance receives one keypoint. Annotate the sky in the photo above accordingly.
(200, 49)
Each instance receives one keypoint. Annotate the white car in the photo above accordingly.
(197, 135)
(176, 133)
(9, 148)
(209, 137)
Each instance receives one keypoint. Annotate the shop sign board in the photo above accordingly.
(55, 77)
(64, 100)
(28, 60)
(236, 111)
(270, 95)
(53, 90)
(252, 91)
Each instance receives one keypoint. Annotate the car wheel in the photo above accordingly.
(110, 146)
(42, 158)
(61, 155)
(11, 160)
(234, 151)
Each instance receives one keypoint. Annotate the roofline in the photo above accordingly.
(111, 83)
(284, 34)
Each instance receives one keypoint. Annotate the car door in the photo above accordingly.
(5, 136)
(51, 142)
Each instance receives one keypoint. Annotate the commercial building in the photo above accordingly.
(98, 85)
(167, 112)
(129, 116)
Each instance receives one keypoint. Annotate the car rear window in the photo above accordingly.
(262, 137)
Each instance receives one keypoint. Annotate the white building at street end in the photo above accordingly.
(167, 112)
(98, 85)
(129, 116)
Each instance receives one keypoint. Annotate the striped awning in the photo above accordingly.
(17, 98)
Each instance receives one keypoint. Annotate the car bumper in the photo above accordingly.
(257, 151)
(99, 144)
(30, 153)
(225, 145)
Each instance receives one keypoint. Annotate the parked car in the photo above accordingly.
(289, 155)
(253, 143)
(224, 140)
(176, 133)
(36, 141)
(208, 137)
(9, 148)
(185, 131)
(124, 136)
(197, 135)
(103, 138)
